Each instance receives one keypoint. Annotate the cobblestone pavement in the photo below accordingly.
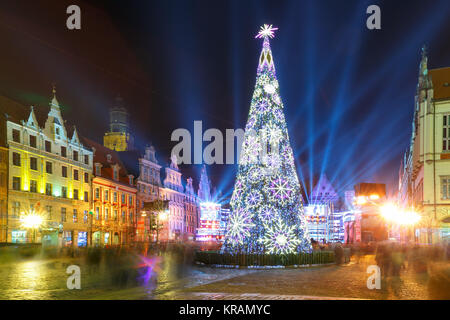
(325, 282)
(47, 280)
(251, 296)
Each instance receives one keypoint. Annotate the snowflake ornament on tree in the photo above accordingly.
(280, 238)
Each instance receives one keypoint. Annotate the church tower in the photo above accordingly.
(204, 186)
(119, 137)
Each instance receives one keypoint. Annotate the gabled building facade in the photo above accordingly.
(424, 180)
(49, 173)
(114, 197)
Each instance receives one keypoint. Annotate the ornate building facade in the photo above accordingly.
(191, 209)
(114, 195)
(174, 192)
(3, 193)
(49, 176)
(424, 179)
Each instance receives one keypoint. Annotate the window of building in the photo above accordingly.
(64, 192)
(75, 155)
(48, 189)
(106, 195)
(16, 135)
(63, 215)
(33, 186)
(64, 152)
(75, 194)
(445, 187)
(16, 159)
(48, 146)
(115, 196)
(86, 177)
(98, 168)
(85, 216)
(49, 212)
(130, 217)
(48, 167)
(75, 215)
(115, 215)
(16, 209)
(86, 196)
(16, 183)
(97, 193)
(130, 200)
(64, 171)
(86, 159)
(123, 216)
(75, 175)
(446, 133)
(33, 163)
(123, 198)
(57, 131)
(2, 179)
(97, 213)
(115, 174)
(106, 214)
(33, 141)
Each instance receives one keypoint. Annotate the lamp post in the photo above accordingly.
(398, 217)
(160, 216)
(32, 221)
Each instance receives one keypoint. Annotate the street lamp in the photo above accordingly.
(160, 216)
(399, 217)
(395, 215)
(32, 221)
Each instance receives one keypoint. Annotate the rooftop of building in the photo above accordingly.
(16, 112)
(107, 158)
(441, 83)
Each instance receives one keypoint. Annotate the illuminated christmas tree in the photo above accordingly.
(267, 209)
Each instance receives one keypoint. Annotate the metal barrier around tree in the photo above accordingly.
(246, 260)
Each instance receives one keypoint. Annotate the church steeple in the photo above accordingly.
(204, 186)
(54, 102)
(119, 137)
(424, 77)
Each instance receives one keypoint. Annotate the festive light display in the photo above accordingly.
(210, 222)
(267, 211)
(280, 237)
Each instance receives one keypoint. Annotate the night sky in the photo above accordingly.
(348, 91)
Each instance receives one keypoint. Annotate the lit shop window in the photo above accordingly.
(18, 236)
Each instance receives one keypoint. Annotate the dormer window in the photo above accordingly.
(57, 131)
(108, 157)
(115, 173)
(130, 179)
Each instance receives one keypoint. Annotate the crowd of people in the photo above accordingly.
(392, 258)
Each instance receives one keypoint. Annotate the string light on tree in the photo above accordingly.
(267, 209)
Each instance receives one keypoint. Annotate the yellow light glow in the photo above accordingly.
(389, 211)
(360, 200)
(374, 197)
(393, 214)
(31, 221)
(163, 216)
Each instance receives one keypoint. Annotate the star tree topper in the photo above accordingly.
(266, 31)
